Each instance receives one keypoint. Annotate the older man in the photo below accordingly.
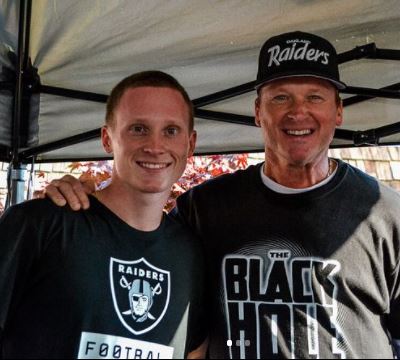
(304, 250)
(307, 248)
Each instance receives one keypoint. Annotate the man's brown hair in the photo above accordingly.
(142, 79)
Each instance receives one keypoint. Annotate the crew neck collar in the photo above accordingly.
(315, 193)
(114, 217)
(280, 189)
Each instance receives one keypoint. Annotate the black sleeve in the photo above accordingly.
(15, 259)
(186, 213)
(177, 212)
(21, 230)
(198, 322)
(184, 209)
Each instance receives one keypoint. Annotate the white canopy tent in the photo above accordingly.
(60, 58)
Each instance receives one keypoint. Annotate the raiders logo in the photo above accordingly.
(140, 293)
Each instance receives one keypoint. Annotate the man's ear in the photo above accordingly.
(257, 112)
(192, 143)
(106, 139)
(339, 115)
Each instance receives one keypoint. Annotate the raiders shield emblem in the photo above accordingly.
(140, 293)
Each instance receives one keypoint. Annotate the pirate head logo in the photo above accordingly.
(141, 298)
(140, 292)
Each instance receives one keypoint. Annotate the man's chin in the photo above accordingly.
(300, 158)
(156, 189)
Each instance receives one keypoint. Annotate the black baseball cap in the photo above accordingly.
(298, 54)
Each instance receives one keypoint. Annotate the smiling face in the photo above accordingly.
(298, 117)
(150, 138)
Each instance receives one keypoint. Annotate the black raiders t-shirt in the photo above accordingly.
(88, 285)
(312, 275)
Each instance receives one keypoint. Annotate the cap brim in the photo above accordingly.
(337, 84)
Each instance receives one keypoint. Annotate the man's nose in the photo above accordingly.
(297, 110)
(154, 145)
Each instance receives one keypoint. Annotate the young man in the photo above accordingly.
(304, 250)
(122, 280)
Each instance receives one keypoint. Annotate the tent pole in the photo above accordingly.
(18, 170)
(18, 176)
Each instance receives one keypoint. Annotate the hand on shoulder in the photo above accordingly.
(69, 190)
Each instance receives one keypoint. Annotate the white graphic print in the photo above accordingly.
(296, 50)
(140, 293)
(284, 307)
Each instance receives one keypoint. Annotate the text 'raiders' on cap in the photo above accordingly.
(298, 54)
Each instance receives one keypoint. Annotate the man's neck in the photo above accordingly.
(141, 211)
(298, 176)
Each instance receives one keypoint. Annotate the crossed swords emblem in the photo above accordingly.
(127, 285)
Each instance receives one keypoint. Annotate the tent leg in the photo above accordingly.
(17, 188)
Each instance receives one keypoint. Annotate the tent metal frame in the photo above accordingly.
(20, 114)
(26, 85)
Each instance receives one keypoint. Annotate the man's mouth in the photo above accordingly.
(153, 166)
(304, 132)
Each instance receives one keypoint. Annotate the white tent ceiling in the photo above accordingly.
(208, 45)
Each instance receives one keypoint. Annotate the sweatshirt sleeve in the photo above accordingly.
(181, 211)
(185, 210)
(199, 327)
(394, 314)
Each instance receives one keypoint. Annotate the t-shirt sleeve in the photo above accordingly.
(19, 247)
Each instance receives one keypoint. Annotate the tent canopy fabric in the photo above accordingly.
(209, 46)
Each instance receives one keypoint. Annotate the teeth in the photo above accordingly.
(153, 166)
(298, 132)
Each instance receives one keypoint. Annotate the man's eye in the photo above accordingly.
(138, 130)
(172, 131)
(315, 98)
(280, 98)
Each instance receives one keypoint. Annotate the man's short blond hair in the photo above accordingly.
(142, 79)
